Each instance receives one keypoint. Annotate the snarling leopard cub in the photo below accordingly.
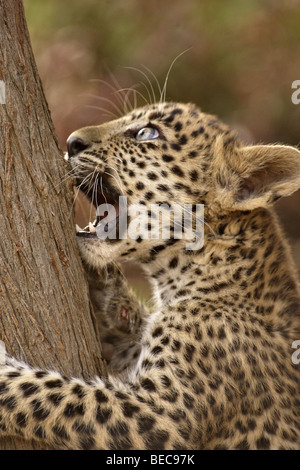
(212, 366)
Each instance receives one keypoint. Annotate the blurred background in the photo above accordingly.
(240, 61)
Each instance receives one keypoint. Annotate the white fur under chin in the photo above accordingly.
(96, 253)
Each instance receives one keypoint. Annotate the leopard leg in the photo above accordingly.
(120, 316)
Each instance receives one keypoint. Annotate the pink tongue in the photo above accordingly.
(117, 209)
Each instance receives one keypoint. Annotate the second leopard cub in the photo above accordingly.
(214, 368)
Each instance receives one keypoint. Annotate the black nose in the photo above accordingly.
(76, 145)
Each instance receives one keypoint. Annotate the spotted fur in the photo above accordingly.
(119, 315)
(214, 369)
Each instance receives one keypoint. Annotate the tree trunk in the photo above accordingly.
(45, 311)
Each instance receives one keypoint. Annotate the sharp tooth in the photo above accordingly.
(78, 229)
(92, 228)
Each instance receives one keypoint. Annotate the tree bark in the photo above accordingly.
(45, 312)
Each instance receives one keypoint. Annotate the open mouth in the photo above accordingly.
(105, 199)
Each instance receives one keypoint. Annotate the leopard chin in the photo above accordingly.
(95, 252)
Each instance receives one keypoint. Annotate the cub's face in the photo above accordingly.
(148, 173)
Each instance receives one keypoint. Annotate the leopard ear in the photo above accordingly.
(255, 176)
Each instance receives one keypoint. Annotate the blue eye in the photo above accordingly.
(147, 133)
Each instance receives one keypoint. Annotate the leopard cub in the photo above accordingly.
(211, 367)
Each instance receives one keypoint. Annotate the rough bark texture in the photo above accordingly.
(45, 312)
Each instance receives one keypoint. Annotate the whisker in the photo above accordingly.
(134, 99)
(117, 87)
(138, 92)
(106, 111)
(80, 205)
(119, 184)
(156, 81)
(67, 176)
(127, 106)
(93, 196)
(116, 178)
(107, 100)
(101, 186)
(91, 179)
(164, 89)
(150, 98)
(146, 77)
(113, 156)
(76, 193)
(111, 87)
